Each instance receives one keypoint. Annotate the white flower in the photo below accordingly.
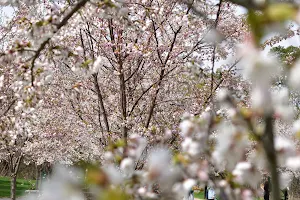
(213, 36)
(222, 95)
(203, 176)
(158, 163)
(231, 112)
(114, 175)
(186, 144)
(108, 156)
(137, 145)
(261, 99)
(193, 169)
(285, 148)
(259, 67)
(293, 163)
(285, 180)
(79, 50)
(231, 145)
(185, 19)
(19, 105)
(186, 128)
(281, 104)
(159, 158)
(193, 148)
(257, 157)
(245, 173)
(206, 116)
(63, 185)
(48, 78)
(247, 194)
(1, 81)
(99, 62)
(127, 166)
(178, 190)
(151, 195)
(223, 183)
(285, 112)
(188, 184)
(142, 191)
(296, 127)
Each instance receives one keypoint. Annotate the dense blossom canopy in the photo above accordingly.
(138, 89)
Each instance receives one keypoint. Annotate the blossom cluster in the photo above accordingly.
(101, 81)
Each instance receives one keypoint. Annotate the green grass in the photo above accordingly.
(199, 195)
(22, 185)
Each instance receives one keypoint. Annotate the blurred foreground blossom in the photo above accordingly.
(65, 183)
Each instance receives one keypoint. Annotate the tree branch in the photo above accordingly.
(79, 5)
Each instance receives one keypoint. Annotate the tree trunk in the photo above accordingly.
(285, 193)
(14, 164)
(13, 186)
(100, 102)
(268, 143)
(153, 102)
(123, 100)
(267, 190)
(38, 177)
(123, 105)
(5, 169)
(162, 72)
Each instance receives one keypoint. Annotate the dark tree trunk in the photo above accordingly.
(100, 102)
(205, 192)
(285, 192)
(38, 177)
(123, 103)
(267, 190)
(268, 144)
(13, 186)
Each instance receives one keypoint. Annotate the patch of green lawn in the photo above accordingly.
(198, 194)
(22, 185)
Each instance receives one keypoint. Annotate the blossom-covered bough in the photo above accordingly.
(100, 81)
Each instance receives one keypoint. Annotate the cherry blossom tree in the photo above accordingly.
(22, 78)
(85, 80)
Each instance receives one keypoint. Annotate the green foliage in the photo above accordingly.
(86, 63)
(255, 21)
(272, 14)
(286, 53)
(280, 12)
(22, 185)
(288, 56)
